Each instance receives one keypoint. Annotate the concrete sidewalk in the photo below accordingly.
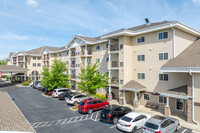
(152, 112)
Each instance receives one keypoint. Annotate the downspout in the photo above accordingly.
(173, 32)
(193, 98)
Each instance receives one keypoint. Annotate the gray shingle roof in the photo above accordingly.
(11, 118)
(132, 84)
(38, 50)
(190, 57)
(178, 91)
(11, 68)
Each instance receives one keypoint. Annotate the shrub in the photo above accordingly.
(25, 83)
(29, 81)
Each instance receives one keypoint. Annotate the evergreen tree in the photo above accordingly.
(91, 79)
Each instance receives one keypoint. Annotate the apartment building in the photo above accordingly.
(154, 64)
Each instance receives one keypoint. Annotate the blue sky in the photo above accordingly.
(28, 24)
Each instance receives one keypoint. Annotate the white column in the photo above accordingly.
(86, 63)
(109, 57)
(124, 95)
(167, 102)
(24, 76)
(135, 95)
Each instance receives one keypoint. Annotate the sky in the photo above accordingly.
(29, 24)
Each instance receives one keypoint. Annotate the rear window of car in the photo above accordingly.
(69, 97)
(127, 119)
(105, 111)
(81, 103)
(151, 125)
(54, 90)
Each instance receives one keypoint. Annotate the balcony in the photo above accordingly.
(73, 65)
(114, 81)
(73, 76)
(86, 52)
(114, 64)
(114, 47)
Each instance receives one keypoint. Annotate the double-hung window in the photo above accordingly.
(146, 96)
(162, 35)
(141, 39)
(97, 47)
(141, 75)
(163, 56)
(163, 77)
(141, 58)
(162, 99)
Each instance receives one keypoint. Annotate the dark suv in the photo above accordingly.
(113, 113)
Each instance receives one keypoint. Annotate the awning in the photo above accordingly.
(133, 86)
(179, 92)
(12, 68)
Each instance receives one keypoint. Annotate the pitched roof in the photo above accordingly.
(190, 57)
(12, 68)
(133, 85)
(38, 50)
(178, 91)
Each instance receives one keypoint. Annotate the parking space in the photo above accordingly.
(49, 115)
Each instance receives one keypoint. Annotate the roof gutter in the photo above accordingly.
(193, 98)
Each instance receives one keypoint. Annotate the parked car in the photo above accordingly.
(58, 91)
(161, 124)
(63, 95)
(35, 84)
(76, 99)
(113, 113)
(91, 104)
(39, 87)
(132, 121)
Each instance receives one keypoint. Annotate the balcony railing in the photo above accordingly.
(115, 80)
(114, 47)
(114, 63)
(88, 52)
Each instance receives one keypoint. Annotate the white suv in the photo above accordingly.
(76, 99)
(57, 92)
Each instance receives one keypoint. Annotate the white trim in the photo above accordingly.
(134, 90)
(180, 69)
(174, 95)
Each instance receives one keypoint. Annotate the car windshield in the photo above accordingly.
(127, 119)
(54, 90)
(81, 103)
(105, 111)
(151, 125)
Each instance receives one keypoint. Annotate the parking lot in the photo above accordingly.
(49, 115)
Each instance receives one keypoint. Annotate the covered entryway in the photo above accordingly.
(131, 92)
(13, 72)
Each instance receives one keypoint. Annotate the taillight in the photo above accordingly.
(158, 132)
(109, 115)
(61, 96)
(70, 99)
(56, 93)
(127, 125)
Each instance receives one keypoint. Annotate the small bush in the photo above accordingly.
(29, 81)
(25, 83)
(99, 96)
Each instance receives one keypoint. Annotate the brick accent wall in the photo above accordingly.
(189, 91)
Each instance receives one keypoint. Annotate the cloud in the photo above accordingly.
(196, 2)
(104, 31)
(32, 3)
(10, 36)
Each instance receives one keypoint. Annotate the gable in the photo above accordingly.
(44, 51)
(76, 41)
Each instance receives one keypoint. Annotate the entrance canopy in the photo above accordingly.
(12, 69)
(133, 86)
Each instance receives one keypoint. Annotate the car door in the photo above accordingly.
(165, 127)
(120, 112)
(96, 105)
(138, 121)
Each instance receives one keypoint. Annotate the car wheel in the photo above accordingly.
(75, 103)
(115, 120)
(90, 111)
(134, 129)
(178, 127)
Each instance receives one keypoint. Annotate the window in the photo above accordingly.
(97, 47)
(39, 58)
(67, 53)
(179, 104)
(121, 82)
(162, 35)
(107, 45)
(34, 64)
(34, 58)
(140, 57)
(162, 99)
(121, 46)
(141, 39)
(146, 96)
(163, 77)
(67, 62)
(141, 75)
(165, 124)
(38, 64)
(97, 60)
(163, 56)
(121, 64)
(107, 59)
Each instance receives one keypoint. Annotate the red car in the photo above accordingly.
(91, 104)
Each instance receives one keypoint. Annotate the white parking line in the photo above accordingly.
(57, 122)
(81, 118)
(64, 121)
(96, 116)
(184, 130)
(113, 126)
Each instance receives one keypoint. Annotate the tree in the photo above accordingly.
(91, 79)
(57, 76)
(3, 62)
